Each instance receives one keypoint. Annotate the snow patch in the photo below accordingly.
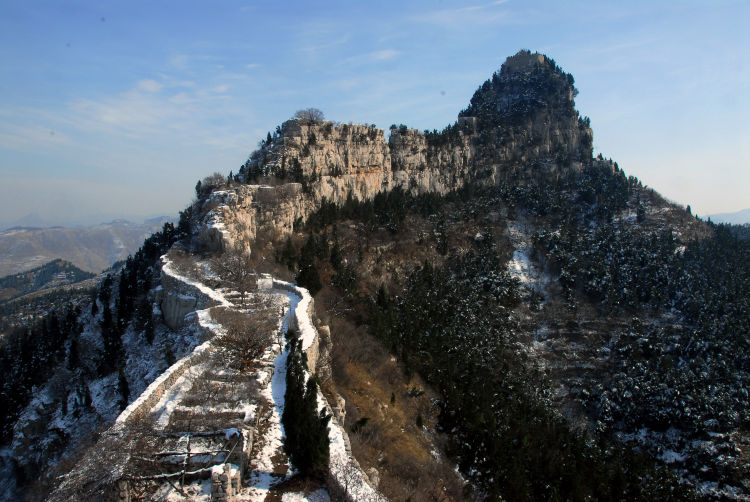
(319, 495)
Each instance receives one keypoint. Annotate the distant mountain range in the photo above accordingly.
(737, 218)
(92, 248)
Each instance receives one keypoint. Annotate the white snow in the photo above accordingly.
(183, 383)
(211, 293)
(671, 456)
(343, 467)
(300, 306)
(174, 394)
(180, 366)
(319, 495)
(266, 469)
(272, 439)
(521, 265)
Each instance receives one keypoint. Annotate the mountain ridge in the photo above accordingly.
(495, 297)
(91, 248)
(741, 217)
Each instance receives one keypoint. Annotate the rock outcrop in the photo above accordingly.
(239, 213)
(176, 299)
(521, 123)
(528, 122)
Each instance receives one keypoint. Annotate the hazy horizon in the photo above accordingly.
(35, 220)
(119, 109)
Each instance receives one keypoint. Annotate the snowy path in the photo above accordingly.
(344, 468)
(271, 465)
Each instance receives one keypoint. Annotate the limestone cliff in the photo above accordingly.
(521, 123)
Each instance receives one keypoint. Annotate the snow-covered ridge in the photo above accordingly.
(302, 320)
(143, 405)
(346, 480)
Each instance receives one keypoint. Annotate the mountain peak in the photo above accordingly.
(527, 85)
(525, 60)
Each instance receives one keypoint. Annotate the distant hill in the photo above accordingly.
(50, 275)
(737, 218)
(92, 248)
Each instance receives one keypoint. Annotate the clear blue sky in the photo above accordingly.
(117, 108)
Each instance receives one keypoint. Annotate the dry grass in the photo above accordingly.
(184, 264)
(406, 456)
(390, 441)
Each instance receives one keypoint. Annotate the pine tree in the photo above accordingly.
(308, 276)
(123, 389)
(112, 342)
(289, 254)
(306, 428)
(73, 359)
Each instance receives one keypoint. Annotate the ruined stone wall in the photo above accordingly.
(176, 299)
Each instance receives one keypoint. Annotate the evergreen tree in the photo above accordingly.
(185, 226)
(122, 389)
(73, 359)
(306, 441)
(308, 276)
(288, 254)
(112, 342)
(143, 321)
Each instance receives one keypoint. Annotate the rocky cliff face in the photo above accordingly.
(521, 123)
(239, 213)
(527, 120)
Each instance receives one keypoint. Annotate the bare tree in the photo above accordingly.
(309, 116)
(204, 188)
(236, 267)
(247, 335)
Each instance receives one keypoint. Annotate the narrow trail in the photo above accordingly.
(271, 466)
(204, 408)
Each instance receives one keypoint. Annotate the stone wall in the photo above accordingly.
(225, 483)
(142, 406)
(177, 298)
